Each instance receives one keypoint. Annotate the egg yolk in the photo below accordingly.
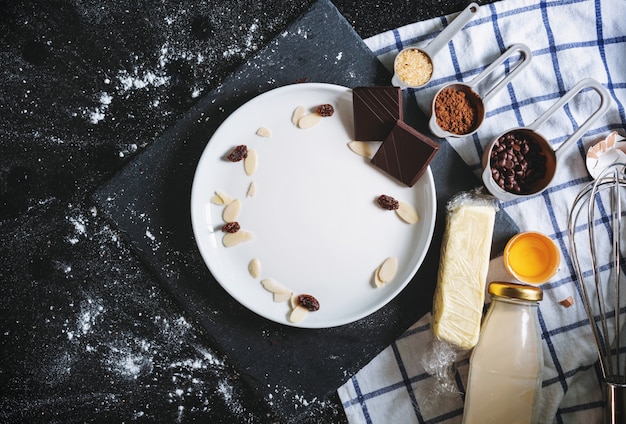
(532, 258)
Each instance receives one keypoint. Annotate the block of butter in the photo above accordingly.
(460, 293)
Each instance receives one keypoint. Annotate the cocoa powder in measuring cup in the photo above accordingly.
(456, 111)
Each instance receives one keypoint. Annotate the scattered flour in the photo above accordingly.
(192, 375)
(195, 376)
(249, 44)
(138, 79)
(78, 223)
(153, 241)
(98, 113)
(145, 78)
(90, 310)
(129, 358)
(193, 379)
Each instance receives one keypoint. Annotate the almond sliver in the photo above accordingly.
(264, 132)
(361, 148)
(221, 198)
(298, 113)
(274, 286)
(310, 120)
(233, 239)
(378, 283)
(231, 211)
(282, 297)
(250, 162)
(298, 314)
(254, 268)
(387, 271)
(407, 213)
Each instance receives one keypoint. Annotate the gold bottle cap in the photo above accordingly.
(516, 291)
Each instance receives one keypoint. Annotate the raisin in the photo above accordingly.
(308, 302)
(239, 153)
(325, 110)
(231, 227)
(388, 202)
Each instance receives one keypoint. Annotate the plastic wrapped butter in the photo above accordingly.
(460, 293)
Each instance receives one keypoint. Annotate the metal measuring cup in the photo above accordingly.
(421, 58)
(552, 156)
(473, 98)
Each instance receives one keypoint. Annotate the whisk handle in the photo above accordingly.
(615, 412)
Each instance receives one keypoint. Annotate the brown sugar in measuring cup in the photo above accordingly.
(520, 162)
(458, 110)
(413, 66)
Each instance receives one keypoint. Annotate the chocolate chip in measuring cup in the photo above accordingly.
(517, 163)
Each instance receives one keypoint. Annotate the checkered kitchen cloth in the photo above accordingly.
(570, 40)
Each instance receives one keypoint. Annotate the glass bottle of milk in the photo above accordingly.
(506, 365)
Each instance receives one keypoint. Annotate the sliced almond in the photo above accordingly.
(298, 113)
(298, 314)
(233, 239)
(274, 286)
(310, 120)
(281, 293)
(264, 132)
(217, 200)
(569, 301)
(251, 189)
(293, 300)
(221, 198)
(282, 297)
(254, 268)
(407, 213)
(250, 162)
(388, 269)
(377, 281)
(362, 148)
(231, 211)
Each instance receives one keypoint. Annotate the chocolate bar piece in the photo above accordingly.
(376, 111)
(405, 153)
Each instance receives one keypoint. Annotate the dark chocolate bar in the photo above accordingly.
(405, 153)
(376, 111)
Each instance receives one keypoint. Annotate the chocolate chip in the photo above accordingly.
(517, 163)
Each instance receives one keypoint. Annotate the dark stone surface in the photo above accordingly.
(88, 332)
(149, 194)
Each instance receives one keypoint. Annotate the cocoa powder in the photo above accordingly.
(456, 112)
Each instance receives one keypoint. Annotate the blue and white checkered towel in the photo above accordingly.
(570, 40)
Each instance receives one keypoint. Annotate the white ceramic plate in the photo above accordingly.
(315, 223)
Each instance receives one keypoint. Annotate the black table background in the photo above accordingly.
(88, 334)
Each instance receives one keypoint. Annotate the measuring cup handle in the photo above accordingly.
(448, 32)
(526, 55)
(605, 103)
(397, 82)
(494, 188)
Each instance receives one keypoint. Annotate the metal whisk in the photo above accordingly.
(597, 261)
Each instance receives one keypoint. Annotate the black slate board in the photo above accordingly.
(149, 201)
